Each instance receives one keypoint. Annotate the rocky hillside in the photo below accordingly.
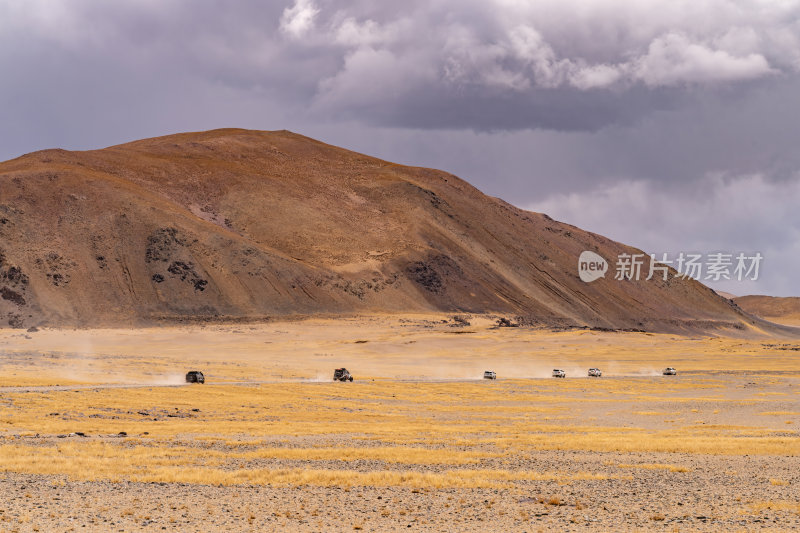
(243, 225)
(784, 310)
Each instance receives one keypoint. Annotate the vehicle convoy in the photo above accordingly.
(489, 374)
(342, 374)
(559, 373)
(595, 373)
(195, 376)
(669, 371)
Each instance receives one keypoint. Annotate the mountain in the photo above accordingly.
(775, 309)
(244, 225)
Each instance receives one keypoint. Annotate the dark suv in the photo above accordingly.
(195, 376)
(341, 374)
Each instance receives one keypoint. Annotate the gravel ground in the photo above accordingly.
(716, 493)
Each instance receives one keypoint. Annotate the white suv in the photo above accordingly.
(595, 373)
(489, 375)
(559, 373)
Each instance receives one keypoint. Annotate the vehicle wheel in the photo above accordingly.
(351, 379)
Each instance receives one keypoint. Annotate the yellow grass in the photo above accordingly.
(780, 505)
(100, 461)
(386, 454)
(392, 413)
(371, 431)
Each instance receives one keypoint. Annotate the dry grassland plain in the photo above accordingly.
(99, 432)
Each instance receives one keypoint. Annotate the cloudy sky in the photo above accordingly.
(671, 125)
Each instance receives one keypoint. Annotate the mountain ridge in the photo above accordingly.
(236, 224)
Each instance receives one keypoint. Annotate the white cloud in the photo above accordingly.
(739, 41)
(298, 20)
(375, 75)
(354, 33)
(522, 46)
(596, 76)
(466, 60)
(673, 59)
(528, 46)
(670, 59)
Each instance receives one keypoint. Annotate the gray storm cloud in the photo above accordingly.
(557, 65)
(429, 61)
(581, 109)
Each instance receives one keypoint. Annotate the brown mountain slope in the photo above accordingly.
(772, 308)
(238, 224)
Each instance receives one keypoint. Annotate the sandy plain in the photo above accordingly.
(98, 432)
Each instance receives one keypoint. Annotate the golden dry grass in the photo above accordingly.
(392, 413)
(236, 428)
(104, 461)
(778, 505)
(381, 431)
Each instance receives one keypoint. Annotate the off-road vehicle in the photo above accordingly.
(341, 374)
(559, 373)
(595, 373)
(195, 376)
(669, 371)
(489, 374)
